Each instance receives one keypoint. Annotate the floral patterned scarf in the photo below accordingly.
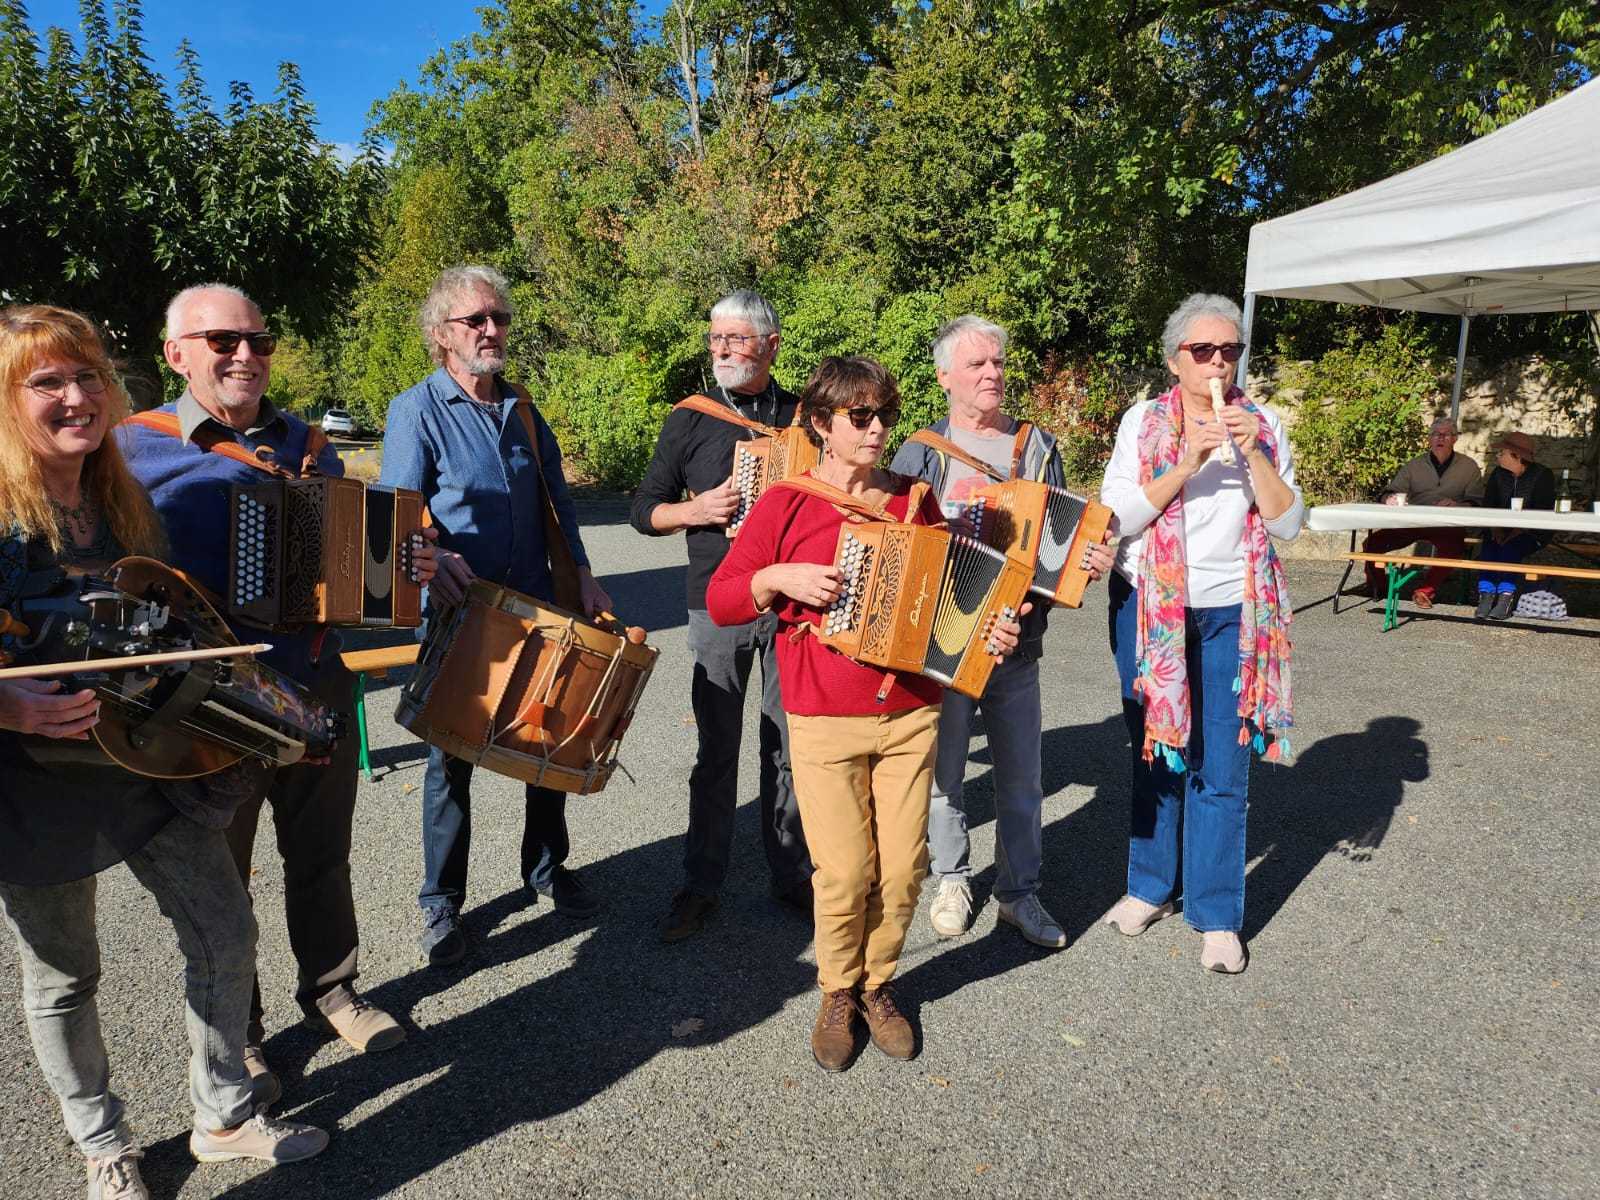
(1262, 684)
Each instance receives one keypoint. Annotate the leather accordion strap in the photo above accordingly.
(706, 406)
(563, 564)
(213, 442)
(934, 441)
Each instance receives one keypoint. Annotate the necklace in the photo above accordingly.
(80, 520)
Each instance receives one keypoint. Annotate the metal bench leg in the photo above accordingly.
(361, 723)
(1391, 605)
(1349, 566)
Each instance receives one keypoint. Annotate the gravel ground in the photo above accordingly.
(1417, 1019)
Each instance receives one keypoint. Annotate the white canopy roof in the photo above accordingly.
(1509, 223)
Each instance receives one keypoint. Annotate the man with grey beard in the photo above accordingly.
(458, 440)
(688, 488)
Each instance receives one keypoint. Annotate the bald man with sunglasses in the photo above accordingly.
(218, 342)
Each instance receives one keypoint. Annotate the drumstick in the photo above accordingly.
(1224, 451)
(633, 633)
(129, 662)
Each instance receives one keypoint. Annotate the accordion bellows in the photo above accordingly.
(323, 551)
(922, 600)
(760, 462)
(1044, 526)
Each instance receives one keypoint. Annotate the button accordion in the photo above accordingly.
(922, 600)
(1045, 527)
(761, 462)
(323, 551)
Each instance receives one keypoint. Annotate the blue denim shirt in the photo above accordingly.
(478, 475)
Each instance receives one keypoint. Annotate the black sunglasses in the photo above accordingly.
(478, 320)
(226, 341)
(861, 417)
(1203, 351)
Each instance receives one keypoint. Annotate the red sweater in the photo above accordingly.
(787, 526)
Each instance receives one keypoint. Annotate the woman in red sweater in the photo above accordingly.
(863, 762)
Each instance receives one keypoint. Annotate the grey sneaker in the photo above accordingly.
(1033, 922)
(263, 1137)
(571, 898)
(1503, 604)
(116, 1177)
(443, 941)
(951, 911)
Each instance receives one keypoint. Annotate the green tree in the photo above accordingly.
(116, 197)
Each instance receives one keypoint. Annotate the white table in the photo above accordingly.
(1332, 518)
(1329, 518)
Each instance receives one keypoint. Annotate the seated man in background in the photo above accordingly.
(1441, 477)
(1516, 477)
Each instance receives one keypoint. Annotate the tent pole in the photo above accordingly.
(1461, 363)
(1244, 334)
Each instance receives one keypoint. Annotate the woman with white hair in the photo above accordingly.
(1199, 626)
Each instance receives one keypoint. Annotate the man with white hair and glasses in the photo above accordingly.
(458, 438)
(982, 445)
(688, 488)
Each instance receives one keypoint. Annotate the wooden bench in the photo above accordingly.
(376, 664)
(1398, 578)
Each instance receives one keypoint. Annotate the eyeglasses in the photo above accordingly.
(90, 382)
(478, 320)
(226, 341)
(1203, 351)
(862, 417)
(733, 341)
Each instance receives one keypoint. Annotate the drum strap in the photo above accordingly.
(563, 564)
(932, 440)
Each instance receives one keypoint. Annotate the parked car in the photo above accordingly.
(338, 421)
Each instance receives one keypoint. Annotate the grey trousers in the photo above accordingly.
(188, 870)
(1012, 715)
(723, 658)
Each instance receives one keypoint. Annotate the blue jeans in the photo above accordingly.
(1011, 714)
(188, 870)
(723, 660)
(447, 832)
(1513, 550)
(1188, 831)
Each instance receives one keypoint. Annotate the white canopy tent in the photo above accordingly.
(1509, 223)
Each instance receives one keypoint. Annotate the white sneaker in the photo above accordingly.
(263, 1137)
(1033, 922)
(116, 1177)
(951, 913)
(1131, 916)
(1223, 952)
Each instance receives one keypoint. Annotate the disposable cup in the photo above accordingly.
(1402, 499)
(1596, 506)
(1516, 504)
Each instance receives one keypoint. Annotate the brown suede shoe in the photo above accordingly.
(891, 1032)
(361, 1025)
(833, 1038)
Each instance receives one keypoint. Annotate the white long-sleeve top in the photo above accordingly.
(1216, 500)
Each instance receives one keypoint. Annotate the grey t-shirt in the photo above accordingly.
(960, 480)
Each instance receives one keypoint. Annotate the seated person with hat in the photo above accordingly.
(1441, 477)
(1515, 477)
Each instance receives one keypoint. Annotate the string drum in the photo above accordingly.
(526, 689)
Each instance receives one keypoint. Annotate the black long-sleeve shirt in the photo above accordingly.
(1536, 486)
(694, 453)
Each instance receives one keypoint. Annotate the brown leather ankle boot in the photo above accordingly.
(891, 1032)
(833, 1038)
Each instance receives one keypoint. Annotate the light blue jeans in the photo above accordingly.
(189, 871)
(1012, 717)
(1188, 829)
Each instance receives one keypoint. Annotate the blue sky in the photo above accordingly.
(350, 52)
